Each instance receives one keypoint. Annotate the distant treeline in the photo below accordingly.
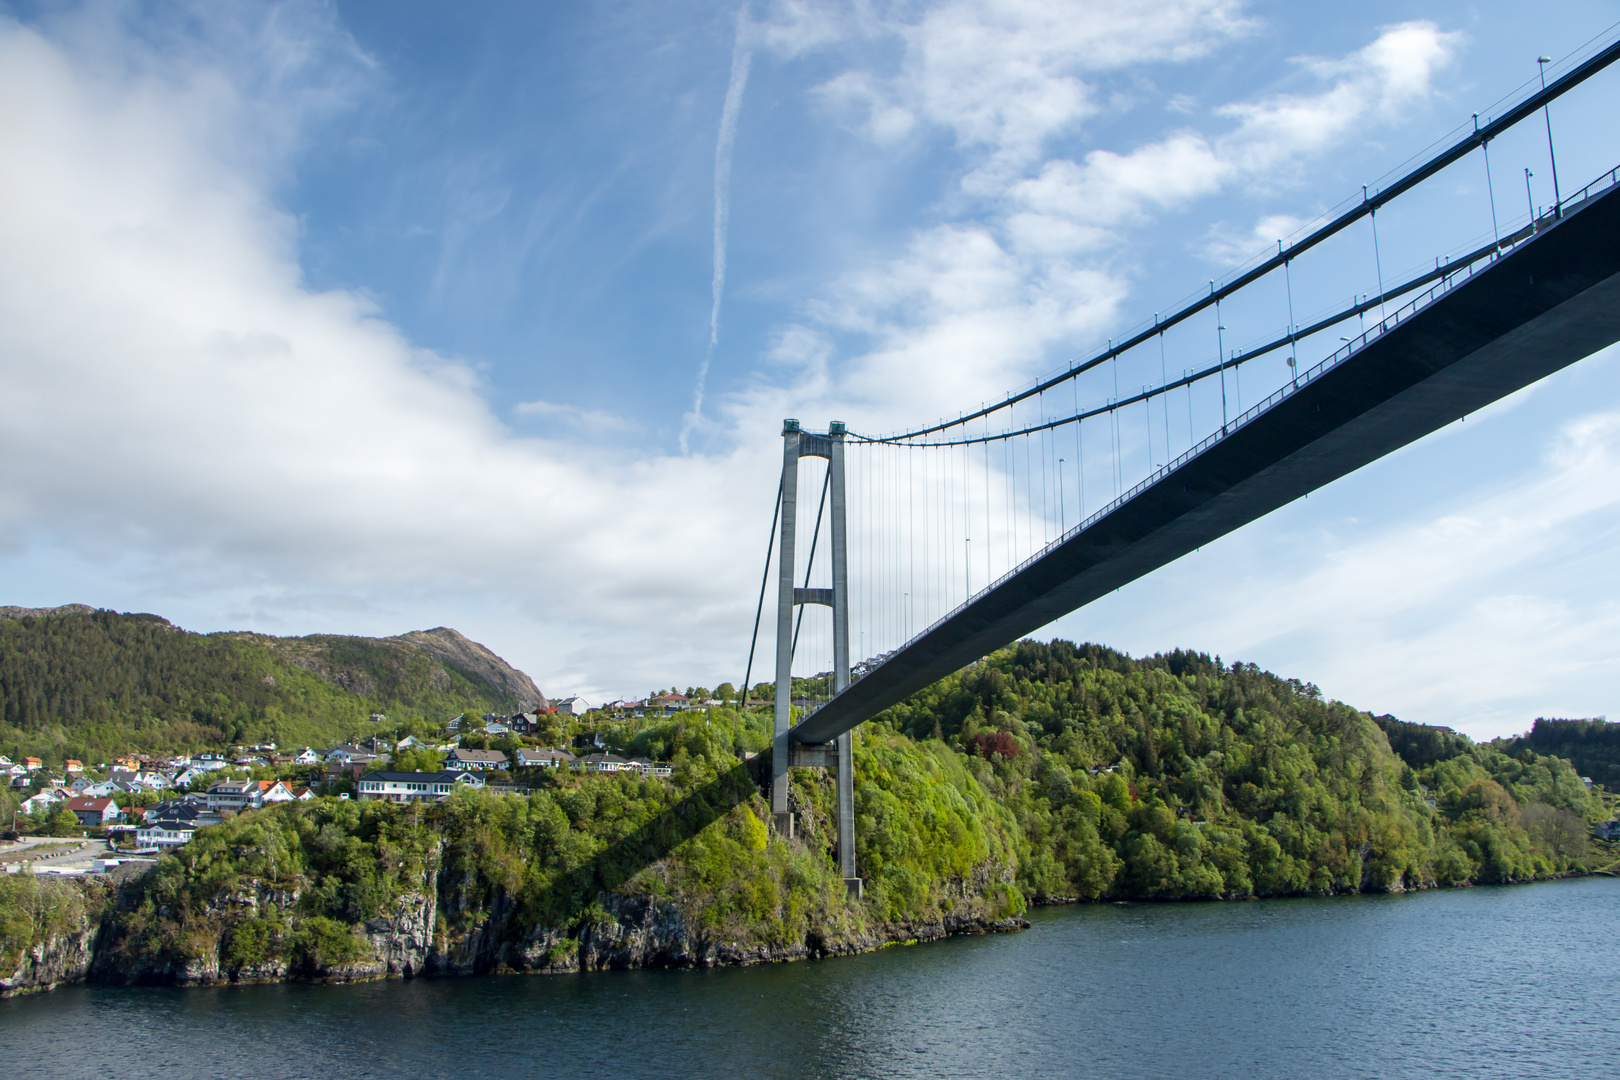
(1593, 746)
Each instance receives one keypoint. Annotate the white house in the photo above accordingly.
(574, 706)
(604, 763)
(42, 801)
(407, 787)
(234, 795)
(306, 757)
(274, 791)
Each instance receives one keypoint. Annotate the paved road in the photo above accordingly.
(81, 855)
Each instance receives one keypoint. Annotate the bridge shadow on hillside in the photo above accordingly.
(628, 856)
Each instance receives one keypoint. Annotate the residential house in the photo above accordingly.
(306, 756)
(528, 758)
(1609, 830)
(346, 753)
(464, 760)
(496, 728)
(234, 795)
(190, 775)
(42, 801)
(524, 723)
(32, 764)
(669, 702)
(303, 794)
(171, 824)
(128, 761)
(274, 791)
(70, 766)
(93, 812)
(354, 767)
(409, 742)
(573, 706)
(604, 763)
(407, 787)
(647, 768)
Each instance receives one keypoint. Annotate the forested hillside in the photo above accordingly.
(1175, 775)
(1046, 771)
(1592, 746)
(86, 684)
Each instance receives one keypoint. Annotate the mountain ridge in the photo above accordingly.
(86, 683)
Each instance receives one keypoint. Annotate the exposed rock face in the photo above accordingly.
(451, 647)
(413, 939)
(62, 958)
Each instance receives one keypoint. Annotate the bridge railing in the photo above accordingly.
(1463, 273)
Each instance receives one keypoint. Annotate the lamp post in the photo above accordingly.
(1546, 114)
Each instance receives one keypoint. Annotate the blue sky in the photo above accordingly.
(370, 317)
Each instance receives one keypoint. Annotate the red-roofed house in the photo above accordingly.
(95, 811)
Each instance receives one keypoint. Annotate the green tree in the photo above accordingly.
(62, 821)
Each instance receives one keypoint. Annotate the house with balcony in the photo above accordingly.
(406, 787)
(234, 795)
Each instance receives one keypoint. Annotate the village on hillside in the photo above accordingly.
(143, 805)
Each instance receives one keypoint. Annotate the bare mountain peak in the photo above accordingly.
(453, 647)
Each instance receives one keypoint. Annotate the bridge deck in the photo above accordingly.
(1548, 303)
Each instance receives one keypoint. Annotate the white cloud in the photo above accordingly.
(170, 387)
(573, 415)
(179, 402)
(1088, 203)
(1005, 75)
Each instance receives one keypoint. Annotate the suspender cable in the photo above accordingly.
(748, 672)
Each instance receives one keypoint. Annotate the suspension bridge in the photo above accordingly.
(962, 538)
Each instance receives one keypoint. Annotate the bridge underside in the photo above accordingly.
(1552, 301)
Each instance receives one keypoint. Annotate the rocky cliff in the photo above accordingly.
(99, 942)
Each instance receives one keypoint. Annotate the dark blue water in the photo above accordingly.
(1518, 981)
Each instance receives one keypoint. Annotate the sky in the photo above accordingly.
(372, 317)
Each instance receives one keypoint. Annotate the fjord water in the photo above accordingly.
(1513, 981)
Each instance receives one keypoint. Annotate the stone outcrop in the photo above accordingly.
(451, 647)
(61, 958)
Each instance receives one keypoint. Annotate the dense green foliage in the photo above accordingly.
(89, 686)
(1045, 771)
(1592, 746)
(33, 910)
(1177, 776)
(931, 838)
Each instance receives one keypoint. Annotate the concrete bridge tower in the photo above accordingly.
(796, 444)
